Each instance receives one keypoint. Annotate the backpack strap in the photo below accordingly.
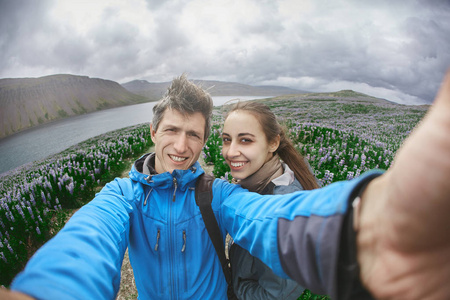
(203, 198)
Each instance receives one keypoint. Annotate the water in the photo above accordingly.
(43, 141)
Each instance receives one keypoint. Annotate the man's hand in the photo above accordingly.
(404, 228)
(10, 295)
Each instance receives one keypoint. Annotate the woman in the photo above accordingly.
(253, 144)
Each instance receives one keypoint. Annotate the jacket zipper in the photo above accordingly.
(184, 241)
(157, 239)
(158, 235)
(173, 278)
(183, 253)
(175, 189)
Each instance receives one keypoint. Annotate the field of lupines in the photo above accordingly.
(341, 139)
(35, 198)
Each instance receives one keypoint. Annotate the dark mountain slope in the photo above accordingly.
(27, 102)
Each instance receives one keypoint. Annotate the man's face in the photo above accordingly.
(178, 140)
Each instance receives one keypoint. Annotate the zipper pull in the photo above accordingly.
(184, 241)
(175, 189)
(157, 240)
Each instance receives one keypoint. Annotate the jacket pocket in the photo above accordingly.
(183, 254)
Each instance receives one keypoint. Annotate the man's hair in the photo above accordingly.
(186, 98)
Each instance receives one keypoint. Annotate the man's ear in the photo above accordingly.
(152, 133)
(273, 145)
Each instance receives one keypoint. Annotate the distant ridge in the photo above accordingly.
(348, 95)
(28, 102)
(154, 91)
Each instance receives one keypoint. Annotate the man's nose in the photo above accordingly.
(180, 144)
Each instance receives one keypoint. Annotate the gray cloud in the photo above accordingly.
(397, 49)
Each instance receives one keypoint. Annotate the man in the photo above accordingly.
(401, 248)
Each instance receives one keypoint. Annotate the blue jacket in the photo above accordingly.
(156, 217)
(170, 250)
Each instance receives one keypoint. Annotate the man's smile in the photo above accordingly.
(177, 158)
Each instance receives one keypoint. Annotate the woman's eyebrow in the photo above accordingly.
(239, 134)
(245, 133)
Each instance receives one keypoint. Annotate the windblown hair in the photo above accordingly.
(186, 98)
(286, 150)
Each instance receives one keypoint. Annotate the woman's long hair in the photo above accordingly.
(286, 150)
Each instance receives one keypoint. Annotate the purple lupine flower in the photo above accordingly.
(43, 197)
(70, 188)
(350, 175)
(10, 248)
(3, 257)
(31, 212)
(19, 209)
(38, 230)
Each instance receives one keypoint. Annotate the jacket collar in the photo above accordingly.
(143, 171)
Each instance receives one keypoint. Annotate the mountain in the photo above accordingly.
(28, 102)
(343, 95)
(154, 91)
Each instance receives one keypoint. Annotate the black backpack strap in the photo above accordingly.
(203, 198)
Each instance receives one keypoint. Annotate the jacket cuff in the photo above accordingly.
(349, 285)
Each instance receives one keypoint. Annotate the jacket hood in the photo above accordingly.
(143, 171)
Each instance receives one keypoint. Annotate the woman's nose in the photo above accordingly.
(233, 150)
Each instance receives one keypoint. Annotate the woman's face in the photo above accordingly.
(245, 147)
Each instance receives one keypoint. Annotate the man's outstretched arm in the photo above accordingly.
(403, 238)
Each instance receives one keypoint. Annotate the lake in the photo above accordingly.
(45, 140)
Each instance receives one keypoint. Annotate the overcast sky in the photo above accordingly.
(396, 49)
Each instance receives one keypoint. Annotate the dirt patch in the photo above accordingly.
(128, 289)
